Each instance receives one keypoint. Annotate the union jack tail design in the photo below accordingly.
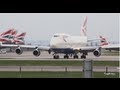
(84, 27)
(103, 41)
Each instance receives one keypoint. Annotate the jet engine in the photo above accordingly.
(97, 52)
(36, 52)
(19, 50)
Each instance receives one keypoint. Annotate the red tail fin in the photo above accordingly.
(22, 35)
(83, 28)
(14, 32)
(7, 32)
(103, 41)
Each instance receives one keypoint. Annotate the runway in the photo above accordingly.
(45, 56)
(56, 68)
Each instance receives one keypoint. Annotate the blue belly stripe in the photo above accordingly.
(63, 50)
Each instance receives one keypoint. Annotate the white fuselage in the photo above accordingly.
(62, 40)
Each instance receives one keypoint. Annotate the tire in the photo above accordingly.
(66, 57)
(83, 57)
(75, 56)
(57, 57)
(54, 57)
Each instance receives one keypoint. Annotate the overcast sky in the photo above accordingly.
(42, 26)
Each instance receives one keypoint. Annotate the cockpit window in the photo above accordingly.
(56, 35)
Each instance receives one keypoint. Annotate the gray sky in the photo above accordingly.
(42, 26)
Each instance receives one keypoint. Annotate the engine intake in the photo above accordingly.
(18, 51)
(36, 52)
(97, 53)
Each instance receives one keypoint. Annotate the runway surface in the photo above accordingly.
(46, 56)
(56, 68)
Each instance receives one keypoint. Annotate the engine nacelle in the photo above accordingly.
(36, 52)
(97, 53)
(19, 51)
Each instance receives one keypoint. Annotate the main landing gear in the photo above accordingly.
(56, 56)
(84, 55)
(66, 56)
(75, 56)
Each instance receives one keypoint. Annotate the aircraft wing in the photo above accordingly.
(45, 48)
(92, 48)
(8, 46)
(111, 47)
(87, 49)
(96, 50)
(25, 46)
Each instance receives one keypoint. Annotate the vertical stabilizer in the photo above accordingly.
(84, 27)
(103, 41)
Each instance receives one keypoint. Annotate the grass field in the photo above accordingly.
(54, 75)
(54, 63)
(113, 53)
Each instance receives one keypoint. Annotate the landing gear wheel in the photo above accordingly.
(66, 57)
(83, 57)
(56, 56)
(75, 57)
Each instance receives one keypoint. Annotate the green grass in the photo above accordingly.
(106, 63)
(113, 53)
(54, 63)
(54, 75)
(110, 54)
